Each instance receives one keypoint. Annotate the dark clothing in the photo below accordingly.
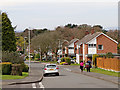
(88, 68)
(81, 67)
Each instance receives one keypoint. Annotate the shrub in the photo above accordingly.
(12, 57)
(24, 67)
(62, 63)
(109, 55)
(94, 59)
(6, 68)
(37, 55)
(63, 59)
(68, 60)
(16, 69)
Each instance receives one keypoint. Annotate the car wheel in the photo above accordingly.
(57, 74)
(44, 75)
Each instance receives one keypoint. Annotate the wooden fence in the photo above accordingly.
(109, 63)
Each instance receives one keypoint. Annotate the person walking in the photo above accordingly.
(81, 66)
(88, 65)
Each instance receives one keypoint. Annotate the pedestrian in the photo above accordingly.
(88, 65)
(81, 66)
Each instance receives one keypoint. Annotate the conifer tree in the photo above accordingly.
(8, 34)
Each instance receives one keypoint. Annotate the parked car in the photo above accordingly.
(50, 69)
(72, 60)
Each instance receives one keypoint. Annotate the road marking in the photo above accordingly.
(41, 85)
(67, 69)
(33, 85)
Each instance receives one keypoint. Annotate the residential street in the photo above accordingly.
(67, 79)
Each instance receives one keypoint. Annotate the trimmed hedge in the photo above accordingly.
(6, 68)
(24, 67)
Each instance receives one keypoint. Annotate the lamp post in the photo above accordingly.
(59, 48)
(29, 48)
(24, 44)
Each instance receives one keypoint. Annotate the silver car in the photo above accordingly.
(50, 69)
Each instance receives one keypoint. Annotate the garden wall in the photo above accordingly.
(112, 64)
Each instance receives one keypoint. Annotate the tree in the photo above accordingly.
(8, 34)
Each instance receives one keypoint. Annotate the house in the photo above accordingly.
(72, 48)
(95, 43)
(63, 48)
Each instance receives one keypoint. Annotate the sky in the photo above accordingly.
(49, 14)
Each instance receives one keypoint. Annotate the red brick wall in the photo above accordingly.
(108, 45)
(75, 46)
(81, 49)
(86, 48)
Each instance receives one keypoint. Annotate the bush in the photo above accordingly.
(63, 59)
(37, 55)
(62, 63)
(16, 69)
(6, 68)
(12, 57)
(109, 55)
(24, 67)
(68, 60)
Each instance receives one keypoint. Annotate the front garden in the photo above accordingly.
(13, 66)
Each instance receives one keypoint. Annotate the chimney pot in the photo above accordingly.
(86, 32)
(92, 31)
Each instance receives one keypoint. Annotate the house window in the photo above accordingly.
(71, 47)
(91, 45)
(100, 47)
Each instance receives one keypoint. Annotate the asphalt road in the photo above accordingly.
(67, 79)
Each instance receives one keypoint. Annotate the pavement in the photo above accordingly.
(76, 69)
(35, 75)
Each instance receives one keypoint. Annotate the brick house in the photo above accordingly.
(68, 48)
(95, 43)
(72, 48)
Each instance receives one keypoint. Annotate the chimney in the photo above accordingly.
(92, 31)
(72, 37)
(86, 32)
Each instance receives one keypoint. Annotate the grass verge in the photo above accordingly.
(106, 72)
(8, 77)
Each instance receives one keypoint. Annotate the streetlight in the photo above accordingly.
(24, 44)
(29, 48)
(59, 48)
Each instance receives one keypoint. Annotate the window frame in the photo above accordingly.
(99, 48)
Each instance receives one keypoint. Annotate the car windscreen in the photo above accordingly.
(51, 66)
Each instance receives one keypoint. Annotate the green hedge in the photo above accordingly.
(6, 68)
(24, 67)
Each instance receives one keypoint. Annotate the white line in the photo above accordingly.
(41, 85)
(67, 69)
(33, 85)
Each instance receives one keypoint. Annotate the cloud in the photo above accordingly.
(7, 3)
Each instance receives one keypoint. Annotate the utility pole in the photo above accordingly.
(29, 49)
(59, 48)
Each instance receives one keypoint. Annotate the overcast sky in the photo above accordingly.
(52, 13)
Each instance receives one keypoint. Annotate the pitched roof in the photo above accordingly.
(88, 37)
(73, 40)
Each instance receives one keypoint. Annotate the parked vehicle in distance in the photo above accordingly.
(72, 60)
(50, 69)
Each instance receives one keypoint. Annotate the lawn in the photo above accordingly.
(7, 77)
(106, 72)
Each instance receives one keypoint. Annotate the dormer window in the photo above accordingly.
(91, 45)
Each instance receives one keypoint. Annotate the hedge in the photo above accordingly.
(6, 68)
